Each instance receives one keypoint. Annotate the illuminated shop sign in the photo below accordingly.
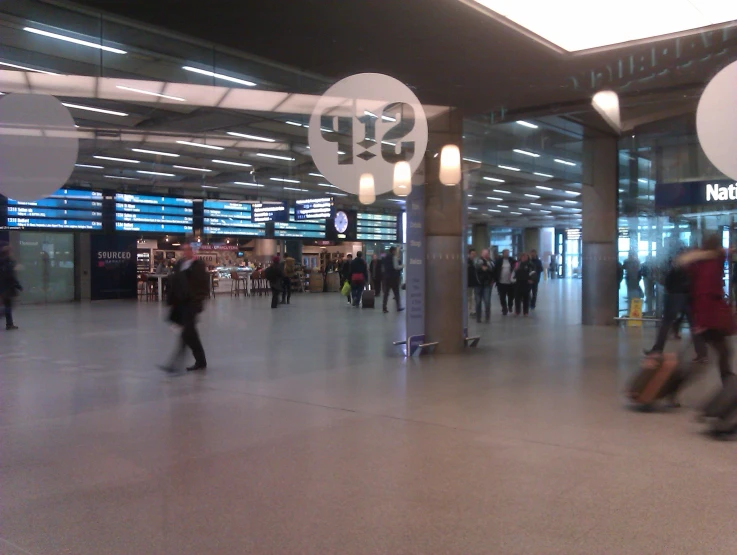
(695, 193)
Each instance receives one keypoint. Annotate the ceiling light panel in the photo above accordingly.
(275, 157)
(252, 137)
(526, 153)
(162, 174)
(74, 40)
(244, 184)
(92, 109)
(204, 170)
(200, 145)
(496, 179)
(527, 124)
(126, 160)
(542, 174)
(509, 168)
(24, 68)
(219, 76)
(150, 93)
(564, 162)
(229, 163)
(575, 25)
(155, 152)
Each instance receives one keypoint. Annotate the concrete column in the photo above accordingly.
(445, 255)
(294, 249)
(599, 233)
(480, 237)
(531, 239)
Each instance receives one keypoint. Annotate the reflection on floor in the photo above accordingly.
(311, 435)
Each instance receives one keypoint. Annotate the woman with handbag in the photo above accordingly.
(359, 278)
(713, 321)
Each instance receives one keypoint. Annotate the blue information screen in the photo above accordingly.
(224, 217)
(65, 209)
(153, 214)
(377, 227)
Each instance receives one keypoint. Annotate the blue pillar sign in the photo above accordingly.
(415, 269)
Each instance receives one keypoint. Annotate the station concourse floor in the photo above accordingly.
(311, 434)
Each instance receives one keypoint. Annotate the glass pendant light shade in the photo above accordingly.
(366, 189)
(402, 179)
(450, 165)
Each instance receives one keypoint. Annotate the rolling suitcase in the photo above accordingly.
(367, 301)
(659, 376)
(722, 408)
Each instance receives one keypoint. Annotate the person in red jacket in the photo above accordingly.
(713, 321)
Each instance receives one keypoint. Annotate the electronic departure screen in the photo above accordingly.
(299, 230)
(65, 209)
(270, 212)
(377, 227)
(313, 209)
(224, 217)
(153, 214)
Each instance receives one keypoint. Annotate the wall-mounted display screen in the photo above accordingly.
(377, 227)
(65, 209)
(270, 212)
(313, 209)
(306, 230)
(153, 214)
(222, 217)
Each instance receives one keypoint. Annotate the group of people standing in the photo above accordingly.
(384, 272)
(516, 281)
(279, 274)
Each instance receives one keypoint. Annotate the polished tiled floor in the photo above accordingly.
(311, 435)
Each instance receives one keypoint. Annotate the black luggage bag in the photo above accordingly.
(368, 298)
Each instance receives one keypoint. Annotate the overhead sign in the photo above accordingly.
(313, 209)
(270, 212)
(365, 124)
(695, 193)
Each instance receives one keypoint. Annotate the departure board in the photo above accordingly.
(299, 230)
(65, 209)
(270, 212)
(153, 214)
(224, 217)
(377, 227)
(313, 209)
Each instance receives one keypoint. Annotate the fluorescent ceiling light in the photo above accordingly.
(156, 173)
(205, 170)
(326, 185)
(557, 207)
(542, 174)
(293, 189)
(473, 161)
(532, 196)
(169, 97)
(516, 213)
(317, 175)
(472, 208)
(545, 211)
(525, 209)
(219, 76)
(209, 187)
(388, 118)
(502, 191)
(296, 124)
(388, 143)
(252, 137)
(564, 162)
(284, 180)
(526, 152)
(470, 196)
(575, 25)
(527, 124)
(229, 163)
(128, 160)
(121, 177)
(92, 166)
(91, 109)
(337, 194)
(643, 180)
(574, 193)
(24, 68)
(502, 206)
(200, 145)
(496, 179)
(366, 112)
(248, 184)
(275, 157)
(543, 188)
(510, 168)
(535, 204)
(571, 201)
(159, 153)
(493, 198)
(75, 41)
(493, 210)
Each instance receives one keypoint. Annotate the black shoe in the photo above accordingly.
(651, 352)
(400, 309)
(197, 367)
(11, 328)
(385, 311)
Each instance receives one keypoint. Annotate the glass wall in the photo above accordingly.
(45, 266)
(664, 155)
